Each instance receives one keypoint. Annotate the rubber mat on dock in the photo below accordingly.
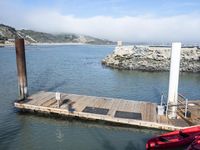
(128, 115)
(95, 110)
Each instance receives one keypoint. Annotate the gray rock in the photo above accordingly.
(151, 58)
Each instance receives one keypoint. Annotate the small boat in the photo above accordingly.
(178, 138)
(195, 144)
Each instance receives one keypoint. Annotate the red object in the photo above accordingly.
(195, 144)
(173, 139)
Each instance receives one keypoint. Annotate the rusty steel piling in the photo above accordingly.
(21, 68)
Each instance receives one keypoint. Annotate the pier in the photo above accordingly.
(119, 111)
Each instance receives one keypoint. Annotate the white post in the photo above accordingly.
(58, 98)
(173, 79)
(119, 43)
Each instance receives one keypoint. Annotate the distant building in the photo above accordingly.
(11, 40)
(2, 42)
(119, 43)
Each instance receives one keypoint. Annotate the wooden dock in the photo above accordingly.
(120, 111)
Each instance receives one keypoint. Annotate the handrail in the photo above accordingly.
(183, 98)
(186, 107)
(181, 102)
(161, 99)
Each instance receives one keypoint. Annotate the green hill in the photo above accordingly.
(7, 34)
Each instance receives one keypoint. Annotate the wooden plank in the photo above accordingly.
(154, 112)
(33, 96)
(126, 103)
(144, 112)
(121, 106)
(38, 98)
(98, 102)
(106, 104)
(150, 114)
(77, 99)
(132, 107)
(49, 102)
(92, 102)
(86, 101)
(101, 102)
(41, 101)
(80, 101)
(112, 107)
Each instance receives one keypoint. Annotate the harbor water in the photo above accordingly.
(77, 69)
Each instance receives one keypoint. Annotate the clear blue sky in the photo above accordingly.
(116, 8)
(127, 20)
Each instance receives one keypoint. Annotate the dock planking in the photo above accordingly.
(120, 111)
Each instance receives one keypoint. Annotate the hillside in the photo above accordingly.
(8, 34)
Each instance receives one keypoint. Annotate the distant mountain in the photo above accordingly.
(8, 34)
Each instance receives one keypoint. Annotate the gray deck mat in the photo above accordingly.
(128, 115)
(95, 110)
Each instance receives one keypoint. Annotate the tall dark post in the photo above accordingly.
(21, 68)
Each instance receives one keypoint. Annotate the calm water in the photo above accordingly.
(77, 69)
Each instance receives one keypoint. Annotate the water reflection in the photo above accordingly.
(59, 135)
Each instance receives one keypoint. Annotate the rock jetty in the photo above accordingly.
(149, 58)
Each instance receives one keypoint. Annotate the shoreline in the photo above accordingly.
(52, 44)
(47, 44)
(43, 44)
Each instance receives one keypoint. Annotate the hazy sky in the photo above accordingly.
(127, 20)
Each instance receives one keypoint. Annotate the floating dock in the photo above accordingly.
(119, 111)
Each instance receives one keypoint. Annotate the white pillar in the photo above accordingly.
(58, 98)
(173, 79)
(119, 43)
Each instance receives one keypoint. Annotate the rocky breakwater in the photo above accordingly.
(149, 58)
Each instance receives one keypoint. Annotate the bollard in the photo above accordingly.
(58, 99)
(21, 68)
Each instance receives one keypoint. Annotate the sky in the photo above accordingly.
(126, 20)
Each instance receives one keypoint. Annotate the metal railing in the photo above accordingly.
(183, 101)
(182, 104)
(162, 99)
